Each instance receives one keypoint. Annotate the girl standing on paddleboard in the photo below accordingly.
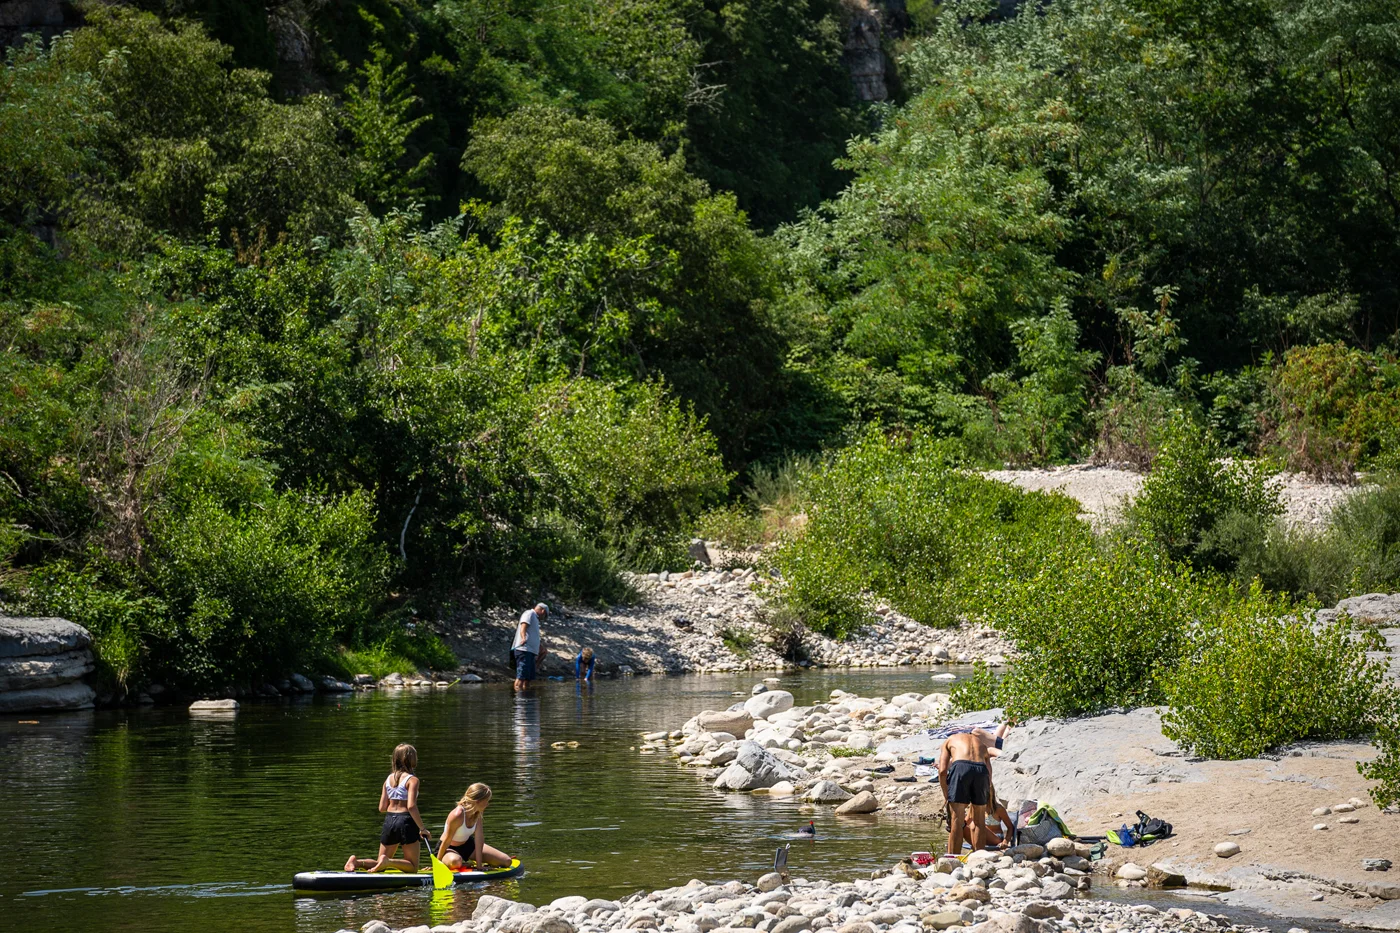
(463, 836)
(398, 798)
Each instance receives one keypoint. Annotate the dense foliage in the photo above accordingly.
(320, 318)
(1117, 620)
(1256, 677)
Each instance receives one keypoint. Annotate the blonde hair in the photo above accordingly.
(405, 759)
(588, 654)
(473, 801)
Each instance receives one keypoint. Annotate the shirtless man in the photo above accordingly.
(965, 774)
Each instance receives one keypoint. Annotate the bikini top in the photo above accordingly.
(463, 833)
(399, 792)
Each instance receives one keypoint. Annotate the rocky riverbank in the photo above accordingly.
(1016, 893)
(712, 620)
(1293, 834)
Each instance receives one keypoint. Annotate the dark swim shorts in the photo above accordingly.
(969, 782)
(399, 830)
(467, 850)
(524, 664)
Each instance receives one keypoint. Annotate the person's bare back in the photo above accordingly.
(965, 774)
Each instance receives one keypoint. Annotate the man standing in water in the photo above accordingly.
(965, 774)
(528, 648)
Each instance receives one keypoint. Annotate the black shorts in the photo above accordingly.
(467, 850)
(399, 830)
(969, 782)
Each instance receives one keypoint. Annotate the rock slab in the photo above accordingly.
(43, 663)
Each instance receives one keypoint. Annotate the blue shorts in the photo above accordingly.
(524, 664)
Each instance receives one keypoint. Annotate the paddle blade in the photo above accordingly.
(442, 875)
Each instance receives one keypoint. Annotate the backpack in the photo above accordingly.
(1149, 829)
(1123, 836)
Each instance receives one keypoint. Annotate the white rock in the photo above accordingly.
(1319, 826)
(1227, 849)
(214, 706)
(768, 704)
(828, 792)
(1131, 872)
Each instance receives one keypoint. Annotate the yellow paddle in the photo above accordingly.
(442, 875)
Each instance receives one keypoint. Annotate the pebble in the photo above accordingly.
(1375, 864)
(1227, 849)
(1349, 819)
(1322, 811)
(1319, 826)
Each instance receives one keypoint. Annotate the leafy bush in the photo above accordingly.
(731, 526)
(1336, 408)
(1385, 767)
(898, 521)
(1256, 675)
(1094, 628)
(980, 691)
(635, 472)
(402, 651)
(121, 620)
(267, 588)
(1190, 491)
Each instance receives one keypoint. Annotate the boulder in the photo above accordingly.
(770, 882)
(302, 684)
(735, 722)
(767, 704)
(1373, 607)
(828, 792)
(1227, 849)
(329, 684)
(1060, 847)
(755, 767)
(66, 696)
(860, 741)
(699, 552)
(1040, 910)
(758, 688)
(214, 706)
(1131, 872)
(793, 924)
(1375, 864)
(363, 680)
(32, 672)
(1385, 890)
(1027, 850)
(26, 637)
(1056, 891)
(1159, 876)
(864, 802)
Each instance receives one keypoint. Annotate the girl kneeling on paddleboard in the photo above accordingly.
(398, 798)
(463, 835)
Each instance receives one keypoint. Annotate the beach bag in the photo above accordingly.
(1042, 825)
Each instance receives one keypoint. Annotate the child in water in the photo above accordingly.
(583, 666)
(463, 838)
(398, 797)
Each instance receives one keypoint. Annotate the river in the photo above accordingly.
(152, 820)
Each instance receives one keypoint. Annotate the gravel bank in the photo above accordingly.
(1102, 491)
(1007, 894)
(709, 621)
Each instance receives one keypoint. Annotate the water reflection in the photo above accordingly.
(154, 820)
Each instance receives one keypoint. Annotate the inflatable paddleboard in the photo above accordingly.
(393, 880)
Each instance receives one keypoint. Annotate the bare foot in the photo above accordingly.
(351, 864)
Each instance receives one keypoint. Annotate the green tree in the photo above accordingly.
(377, 114)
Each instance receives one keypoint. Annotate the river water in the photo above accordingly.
(153, 820)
